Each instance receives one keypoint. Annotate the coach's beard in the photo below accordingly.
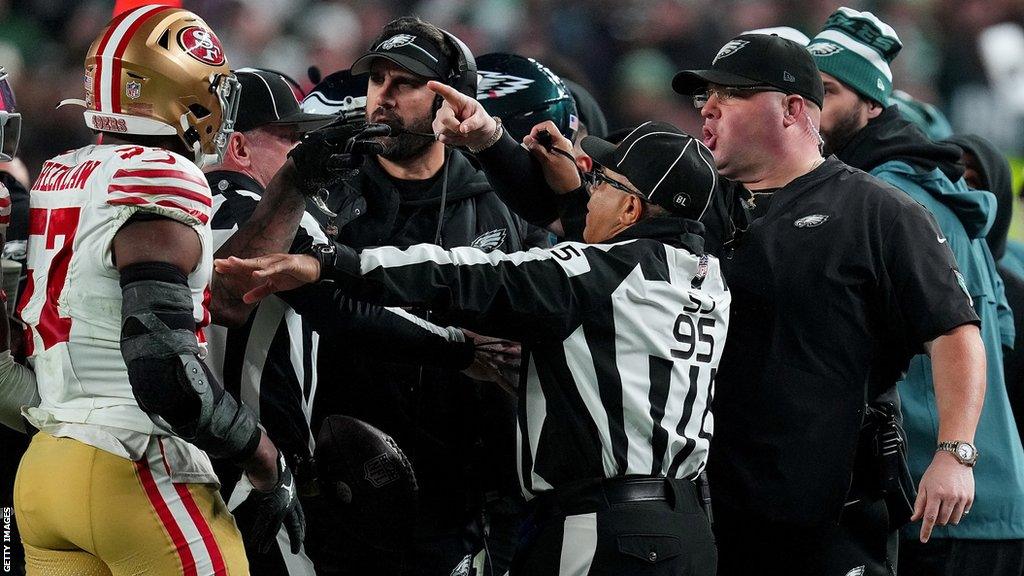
(404, 145)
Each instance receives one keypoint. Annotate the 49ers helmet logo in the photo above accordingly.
(202, 45)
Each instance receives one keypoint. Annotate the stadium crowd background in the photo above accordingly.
(624, 51)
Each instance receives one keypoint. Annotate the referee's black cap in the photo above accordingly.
(758, 60)
(666, 165)
(267, 98)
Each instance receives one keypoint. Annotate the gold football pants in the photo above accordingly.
(86, 512)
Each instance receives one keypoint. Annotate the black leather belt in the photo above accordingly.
(622, 491)
(595, 495)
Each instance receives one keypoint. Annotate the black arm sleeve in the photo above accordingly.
(519, 181)
(170, 383)
(381, 333)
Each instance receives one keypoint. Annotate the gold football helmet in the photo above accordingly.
(157, 70)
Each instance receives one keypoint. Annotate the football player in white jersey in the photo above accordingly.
(118, 479)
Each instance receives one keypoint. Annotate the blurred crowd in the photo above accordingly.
(624, 51)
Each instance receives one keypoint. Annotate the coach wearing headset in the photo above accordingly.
(418, 191)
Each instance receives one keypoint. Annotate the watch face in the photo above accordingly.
(965, 452)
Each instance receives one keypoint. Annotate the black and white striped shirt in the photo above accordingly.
(621, 344)
(270, 362)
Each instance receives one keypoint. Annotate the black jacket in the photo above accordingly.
(373, 212)
(458, 434)
(891, 137)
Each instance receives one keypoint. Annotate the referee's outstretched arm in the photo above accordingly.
(508, 295)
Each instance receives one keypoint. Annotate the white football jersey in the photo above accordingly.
(72, 301)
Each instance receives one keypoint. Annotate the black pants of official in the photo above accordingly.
(596, 533)
(952, 557)
(860, 545)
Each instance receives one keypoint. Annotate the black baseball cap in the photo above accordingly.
(417, 54)
(758, 60)
(267, 99)
(666, 165)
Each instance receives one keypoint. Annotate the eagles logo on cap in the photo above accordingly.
(396, 41)
(729, 49)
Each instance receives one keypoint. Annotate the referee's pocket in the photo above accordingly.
(641, 539)
(651, 548)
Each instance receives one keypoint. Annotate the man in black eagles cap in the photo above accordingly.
(838, 279)
(621, 341)
(416, 190)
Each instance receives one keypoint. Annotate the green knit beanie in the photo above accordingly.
(856, 48)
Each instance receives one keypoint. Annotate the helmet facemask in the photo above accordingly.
(10, 121)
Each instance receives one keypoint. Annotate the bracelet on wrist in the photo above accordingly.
(495, 136)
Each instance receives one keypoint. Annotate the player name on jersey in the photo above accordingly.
(56, 176)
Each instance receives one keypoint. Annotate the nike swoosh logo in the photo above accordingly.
(940, 239)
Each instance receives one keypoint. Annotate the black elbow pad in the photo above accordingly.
(170, 383)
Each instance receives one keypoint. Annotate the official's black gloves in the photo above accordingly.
(261, 514)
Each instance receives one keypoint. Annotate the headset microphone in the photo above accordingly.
(374, 130)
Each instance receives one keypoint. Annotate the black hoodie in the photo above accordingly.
(995, 175)
(889, 137)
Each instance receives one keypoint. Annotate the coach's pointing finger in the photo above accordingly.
(461, 120)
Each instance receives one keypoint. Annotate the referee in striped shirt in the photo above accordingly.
(621, 341)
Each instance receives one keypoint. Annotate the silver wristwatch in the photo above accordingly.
(964, 452)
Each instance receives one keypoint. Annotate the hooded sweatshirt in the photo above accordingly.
(896, 151)
(994, 175)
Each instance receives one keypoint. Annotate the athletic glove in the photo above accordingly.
(261, 514)
(333, 150)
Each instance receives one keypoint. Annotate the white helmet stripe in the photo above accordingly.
(114, 48)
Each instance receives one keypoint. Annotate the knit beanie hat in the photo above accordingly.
(856, 48)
